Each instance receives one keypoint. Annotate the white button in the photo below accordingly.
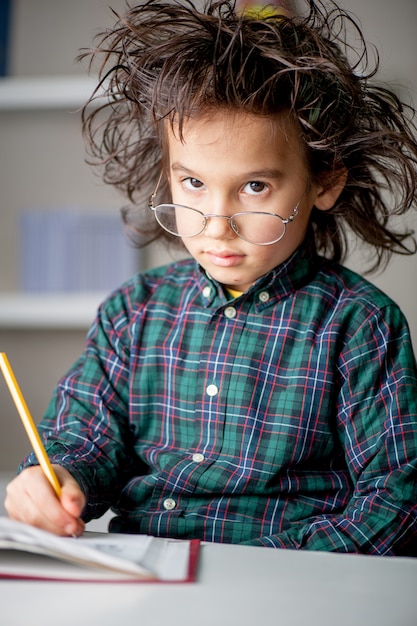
(264, 296)
(212, 390)
(230, 312)
(198, 457)
(207, 292)
(169, 504)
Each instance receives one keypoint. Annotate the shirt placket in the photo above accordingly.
(222, 333)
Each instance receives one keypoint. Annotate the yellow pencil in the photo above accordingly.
(28, 423)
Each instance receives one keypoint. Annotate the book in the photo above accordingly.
(5, 23)
(30, 553)
(72, 249)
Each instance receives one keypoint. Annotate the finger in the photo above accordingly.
(72, 498)
(31, 499)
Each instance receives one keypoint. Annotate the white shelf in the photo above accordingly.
(48, 92)
(48, 311)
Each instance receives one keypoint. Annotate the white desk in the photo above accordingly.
(237, 586)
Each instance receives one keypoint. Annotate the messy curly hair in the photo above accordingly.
(166, 62)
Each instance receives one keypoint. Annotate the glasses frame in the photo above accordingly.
(207, 216)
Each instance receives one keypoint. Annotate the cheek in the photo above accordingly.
(260, 255)
(266, 258)
(190, 245)
(181, 223)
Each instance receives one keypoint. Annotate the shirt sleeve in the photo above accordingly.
(377, 426)
(86, 426)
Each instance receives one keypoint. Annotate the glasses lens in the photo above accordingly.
(180, 220)
(254, 227)
(260, 228)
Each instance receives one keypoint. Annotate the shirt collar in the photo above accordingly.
(276, 285)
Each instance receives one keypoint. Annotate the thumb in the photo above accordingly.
(72, 498)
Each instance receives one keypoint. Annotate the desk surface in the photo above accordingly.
(237, 585)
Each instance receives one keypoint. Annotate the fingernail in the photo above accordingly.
(69, 529)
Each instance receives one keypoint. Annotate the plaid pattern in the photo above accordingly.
(285, 417)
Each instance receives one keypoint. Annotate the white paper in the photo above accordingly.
(140, 556)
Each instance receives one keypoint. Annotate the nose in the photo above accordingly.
(219, 227)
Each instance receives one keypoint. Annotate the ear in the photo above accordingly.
(331, 190)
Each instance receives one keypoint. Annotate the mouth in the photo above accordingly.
(224, 258)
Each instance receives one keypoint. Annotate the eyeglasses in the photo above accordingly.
(257, 227)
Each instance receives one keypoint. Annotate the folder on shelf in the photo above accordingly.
(5, 14)
(74, 250)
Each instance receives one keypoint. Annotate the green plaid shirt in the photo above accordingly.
(286, 417)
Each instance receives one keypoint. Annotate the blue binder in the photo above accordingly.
(4, 35)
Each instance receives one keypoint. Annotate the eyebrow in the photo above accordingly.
(265, 173)
(254, 175)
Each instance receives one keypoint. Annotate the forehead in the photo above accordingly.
(233, 128)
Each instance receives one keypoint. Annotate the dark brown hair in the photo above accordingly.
(168, 61)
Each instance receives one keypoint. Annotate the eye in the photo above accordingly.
(192, 183)
(255, 187)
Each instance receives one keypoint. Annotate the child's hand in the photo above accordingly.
(31, 499)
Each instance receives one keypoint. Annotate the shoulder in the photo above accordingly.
(344, 282)
(355, 301)
(125, 302)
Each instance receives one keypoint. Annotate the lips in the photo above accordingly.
(224, 258)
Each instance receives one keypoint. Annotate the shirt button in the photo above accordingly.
(263, 296)
(169, 504)
(207, 292)
(230, 312)
(198, 457)
(212, 390)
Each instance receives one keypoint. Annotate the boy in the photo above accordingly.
(257, 392)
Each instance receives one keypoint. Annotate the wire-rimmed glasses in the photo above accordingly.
(257, 227)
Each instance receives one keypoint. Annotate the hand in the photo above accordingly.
(31, 499)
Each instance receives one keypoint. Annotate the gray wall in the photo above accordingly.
(391, 26)
(42, 162)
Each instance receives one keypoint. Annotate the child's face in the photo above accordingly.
(233, 162)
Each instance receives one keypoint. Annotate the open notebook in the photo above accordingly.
(30, 553)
